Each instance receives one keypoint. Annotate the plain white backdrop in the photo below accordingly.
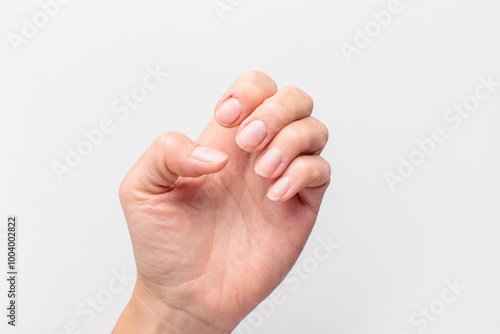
(397, 248)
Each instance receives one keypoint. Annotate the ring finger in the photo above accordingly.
(259, 128)
(305, 136)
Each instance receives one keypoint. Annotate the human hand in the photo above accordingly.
(218, 223)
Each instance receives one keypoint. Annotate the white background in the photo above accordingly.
(397, 248)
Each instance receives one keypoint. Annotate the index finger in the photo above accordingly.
(248, 92)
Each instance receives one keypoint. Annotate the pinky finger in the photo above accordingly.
(307, 175)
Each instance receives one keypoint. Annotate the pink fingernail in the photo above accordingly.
(208, 155)
(269, 163)
(252, 135)
(279, 189)
(229, 112)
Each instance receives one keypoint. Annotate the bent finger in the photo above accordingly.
(289, 104)
(171, 155)
(308, 176)
(305, 136)
(248, 92)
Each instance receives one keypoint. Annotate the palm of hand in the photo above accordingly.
(215, 246)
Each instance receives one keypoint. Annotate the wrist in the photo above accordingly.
(145, 313)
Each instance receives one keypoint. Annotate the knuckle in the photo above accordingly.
(292, 132)
(292, 90)
(328, 172)
(277, 114)
(123, 190)
(260, 80)
(315, 171)
(323, 171)
(276, 108)
(294, 136)
(304, 166)
(257, 76)
(300, 94)
(165, 140)
(328, 169)
(321, 129)
(126, 192)
(162, 140)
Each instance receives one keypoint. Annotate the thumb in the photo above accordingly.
(171, 155)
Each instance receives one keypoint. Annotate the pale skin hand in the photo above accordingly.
(212, 237)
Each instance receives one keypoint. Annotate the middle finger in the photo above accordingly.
(259, 128)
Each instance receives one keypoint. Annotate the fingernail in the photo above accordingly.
(252, 135)
(208, 155)
(269, 162)
(229, 112)
(279, 189)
